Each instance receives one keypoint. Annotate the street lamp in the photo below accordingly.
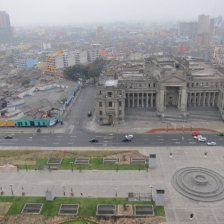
(11, 189)
(26, 165)
(150, 186)
(115, 191)
(72, 165)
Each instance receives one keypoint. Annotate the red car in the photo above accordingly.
(196, 133)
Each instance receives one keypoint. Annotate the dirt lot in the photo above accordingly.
(125, 157)
(4, 207)
(38, 219)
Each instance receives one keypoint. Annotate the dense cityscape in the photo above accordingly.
(115, 122)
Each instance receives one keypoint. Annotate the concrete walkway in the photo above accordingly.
(110, 183)
(130, 127)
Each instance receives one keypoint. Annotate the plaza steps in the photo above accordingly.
(173, 115)
(204, 114)
(141, 114)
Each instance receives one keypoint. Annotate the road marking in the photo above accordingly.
(108, 137)
(55, 143)
(161, 139)
(58, 136)
(177, 142)
(73, 136)
(71, 143)
(175, 139)
(7, 143)
(192, 142)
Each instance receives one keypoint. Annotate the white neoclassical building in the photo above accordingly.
(162, 82)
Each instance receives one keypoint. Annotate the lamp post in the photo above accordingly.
(11, 189)
(26, 165)
(72, 165)
(150, 186)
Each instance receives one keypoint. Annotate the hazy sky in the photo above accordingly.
(67, 12)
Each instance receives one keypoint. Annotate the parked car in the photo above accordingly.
(196, 133)
(197, 136)
(93, 140)
(220, 134)
(129, 136)
(89, 114)
(211, 143)
(8, 137)
(202, 139)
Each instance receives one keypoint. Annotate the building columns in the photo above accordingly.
(147, 100)
(209, 99)
(183, 99)
(133, 100)
(151, 100)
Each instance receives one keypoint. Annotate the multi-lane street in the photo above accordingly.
(82, 139)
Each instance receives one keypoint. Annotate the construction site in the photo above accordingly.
(34, 96)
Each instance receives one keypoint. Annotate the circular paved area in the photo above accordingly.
(199, 184)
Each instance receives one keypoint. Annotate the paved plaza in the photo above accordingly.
(111, 183)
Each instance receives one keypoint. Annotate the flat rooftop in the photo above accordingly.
(202, 70)
(109, 83)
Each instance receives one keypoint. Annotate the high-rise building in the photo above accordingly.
(188, 29)
(203, 30)
(5, 27)
(203, 24)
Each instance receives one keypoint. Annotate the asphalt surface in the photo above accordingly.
(82, 139)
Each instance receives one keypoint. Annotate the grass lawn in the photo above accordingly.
(36, 159)
(87, 205)
(14, 153)
(95, 164)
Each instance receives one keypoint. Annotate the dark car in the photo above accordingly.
(8, 137)
(220, 134)
(126, 140)
(89, 114)
(93, 140)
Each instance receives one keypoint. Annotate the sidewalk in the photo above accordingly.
(157, 126)
(130, 127)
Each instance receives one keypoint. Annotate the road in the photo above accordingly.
(82, 139)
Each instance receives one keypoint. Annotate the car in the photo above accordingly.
(202, 139)
(196, 133)
(129, 136)
(220, 134)
(211, 143)
(197, 136)
(93, 140)
(89, 114)
(8, 137)
(126, 140)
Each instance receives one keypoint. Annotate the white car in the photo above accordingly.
(202, 139)
(211, 143)
(129, 137)
(197, 136)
